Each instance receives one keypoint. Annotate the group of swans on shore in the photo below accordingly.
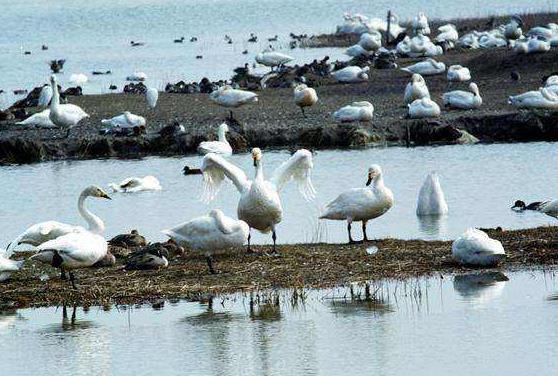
(544, 98)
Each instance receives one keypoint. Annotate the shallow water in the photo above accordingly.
(95, 35)
(481, 182)
(462, 325)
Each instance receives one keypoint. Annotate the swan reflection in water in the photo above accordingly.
(433, 225)
(480, 287)
(360, 303)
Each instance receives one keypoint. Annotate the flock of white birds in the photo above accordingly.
(70, 247)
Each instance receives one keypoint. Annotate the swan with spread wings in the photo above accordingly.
(259, 205)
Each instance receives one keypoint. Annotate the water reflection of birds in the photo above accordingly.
(8, 319)
(432, 225)
(269, 310)
(369, 304)
(480, 287)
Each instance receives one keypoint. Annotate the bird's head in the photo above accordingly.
(518, 205)
(224, 127)
(95, 191)
(256, 155)
(373, 172)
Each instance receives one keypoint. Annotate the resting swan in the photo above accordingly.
(420, 24)
(356, 111)
(40, 119)
(371, 41)
(458, 73)
(132, 185)
(221, 146)
(465, 100)
(63, 115)
(151, 95)
(423, 108)
(7, 266)
(416, 89)
(259, 205)
(210, 233)
(305, 96)
(476, 248)
(431, 199)
(361, 204)
(228, 97)
(42, 232)
(351, 74)
(125, 120)
(448, 33)
(427, 67)
(543, 98)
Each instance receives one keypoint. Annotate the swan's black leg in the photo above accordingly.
(73, 280)
(364, 231)
(209, 260)
(231, 117)
(274, 237)
(351, 241)
(249, 250)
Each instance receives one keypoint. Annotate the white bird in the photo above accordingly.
(521, 47)
(228, 97)
(427, 67)
(356, 50)
(42, 232)
(543, 98)
(40, 119)
(458, 73)
(78, 78)
(134, 184)
(371, 41)
(420, 24)
(259, 204)
(431, 199)
(551, 84)
(151, 95)
(305, 96)
(7, 266)
(535, 45)
(448, 33)
(137, 76)
(403, 48)
(351, 74)
(512, 30)
(124, 121)
(395, 28)
(465, 100)
(476, 248)
(210, 233)
(480, 288)
(416, 89)
(423, 108)
(549, 208)
(361, 204)
(45, 96)
(356, 111)
(546, 32)
(273, 58)
(64, 115)
(221, 146)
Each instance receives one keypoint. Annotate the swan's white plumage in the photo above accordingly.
(416, 89)
(63, 115)
(124, 121)
(137, 76)
(40, 119)
(356, 111)
(78, 78)
(45, 96)
(272, 58)
(371, 41)
(423, 108)
(431, 199)
(458, 73)
(221, 146)
(475, 247)
(465, 100)
(420, 24)
(7, 266)
(226, 96)
(351, 74)
(135, 184)
(427, 67)
(305, 96)
(543, 98)
(151, 95)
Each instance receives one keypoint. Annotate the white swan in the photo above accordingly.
(305, 96)
(465, 100)
(259, 204)
(151, 95)
(520, 47)
(40, 119)
(403, 48)
(221, 146)
(551, 84)
(137, 76)
(546, 32)
(416, 89)
(512, 30)
(356, 50)
(549, 208)
(7, 266)
(492, 40)
(395, 28)
(535, 45)
(427, 67)
(228, 97)
(42, 232)
(371, 41)
(423, 108)
(124, 120)
(133, 185)
(458, 73)
(431, 199)
(448, 33)
(361, 204)
(64, 115)
(210, 233)
(78, 78)
(351, 74)
(543, 98)
(356, 111)
(273, 58)
(45, 96)
(475, 247)
(421, 45)
(420, 24)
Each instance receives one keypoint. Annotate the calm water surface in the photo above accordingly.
(461, 325)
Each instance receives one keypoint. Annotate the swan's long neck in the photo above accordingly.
(95, 223)
(259, 171)
(221, 135)
(378, 182)
(55, 102)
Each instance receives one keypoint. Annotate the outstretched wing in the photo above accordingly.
(215, 168)
(297, 167)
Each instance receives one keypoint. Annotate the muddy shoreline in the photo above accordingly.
(187, 276)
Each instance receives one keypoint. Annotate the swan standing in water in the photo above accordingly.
(361, 204)
(259, 204)
(151, 95)
(42, 232)
(45, 96)
(210, 233)
(64, 115)
(543, 98)
(423, 108)
(305, 96)
(351, 74)
(465, 100)
(40, 119)
(7, 266)
(356, 111)
(228, 97)
(133, 185)
(458, 73)
(221, 147)
(416, 89)
(428, 67)
(549, 208)
(124, 121)
(431, 199)
(476, 248)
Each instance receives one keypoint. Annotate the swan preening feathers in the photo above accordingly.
(476, 248)
(416, 89)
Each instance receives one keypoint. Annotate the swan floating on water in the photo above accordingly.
(273, 58)
(428, 67)
(151, 95)
(64, 115)
(431, 199)
(543, 98)
(133, 185)
(465, 100)
(416, 89)
(458, 73)
(7, 266)
(45, 96)
(210, 233)
(351, 74)
(356, 111)
(40, 119)
(361, 204)
(259, 204)
(221, 146)
(423, 108)
(305, 96)
(78, 79)
(476, 248)
(228, 97)
(549, 208)
(124, 121)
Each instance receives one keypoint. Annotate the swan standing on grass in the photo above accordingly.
(431, 199)
(416, 89)
(7, 266)
(428, 67)
(228, 97)
(64, 115)
(543, 98)
(356, 111)
(133, 185)
(259, 205)
(476, 248)
(125, 120)
(151, 95)
(305, 96)
(361, 204)
(221, 147)
(273, 59)
(210, 233)
(40, 119)
(42, 232)
(351, 74)
(465, 100)
(549, 208)
(458, 73)
(45, 96)
(423, 108)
